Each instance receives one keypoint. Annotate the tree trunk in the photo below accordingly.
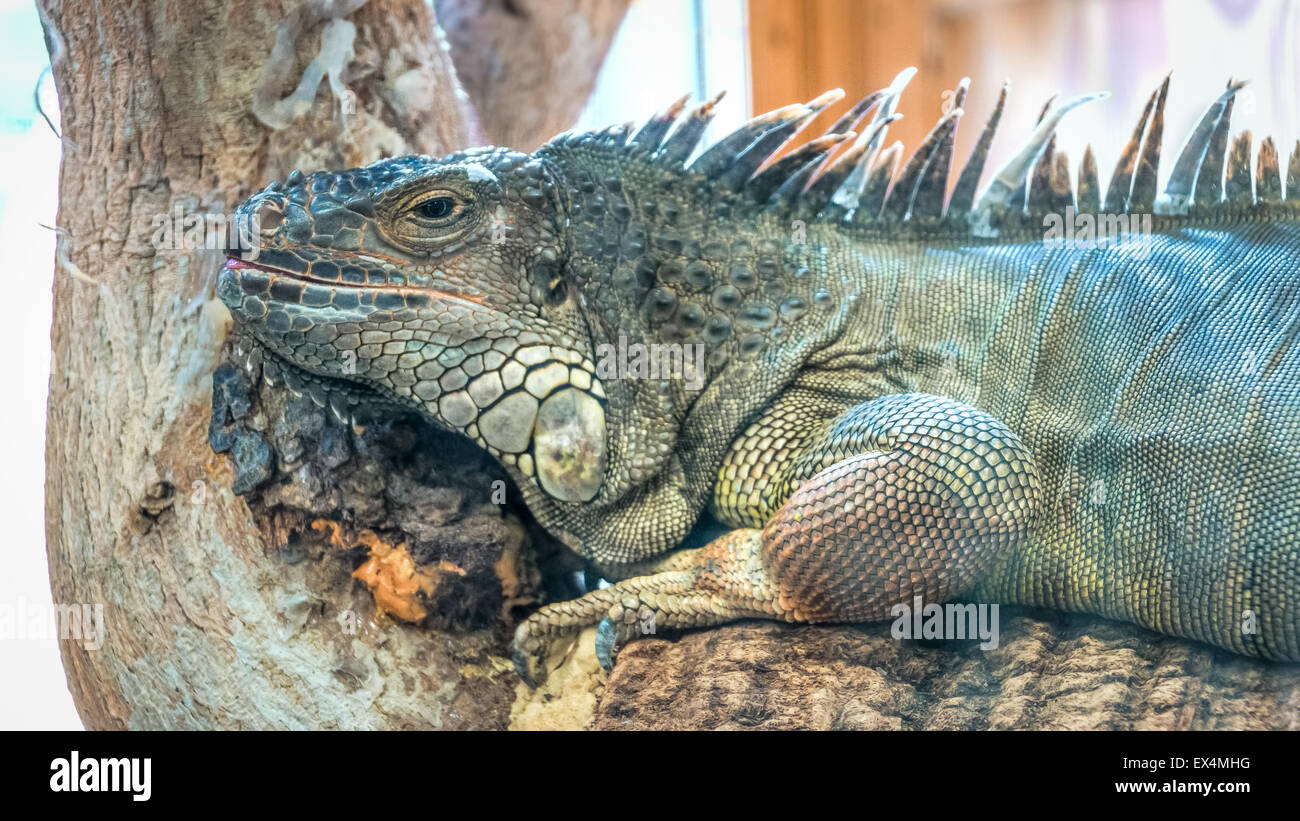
(529, 65)
(226, 611)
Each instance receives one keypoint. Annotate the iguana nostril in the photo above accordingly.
(269, 217)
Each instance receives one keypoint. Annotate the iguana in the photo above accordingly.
(904, 393)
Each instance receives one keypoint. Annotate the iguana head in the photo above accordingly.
(572, 311)
(489, 289)
(439, 283)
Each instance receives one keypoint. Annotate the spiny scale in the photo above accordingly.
(1293, 174)
(652, 133)
(1089, 187)
(1236, 181)
(1050, 190)
(1121, 180)
(898, 203)
(1142, 192)
(1208, 191)
(834, 178)
(1268, 179)
(963, 196)
(1190, 161)
(998, 196)
(1037, 194)
(848, 195)
(877, 187)
(763, 148)
(788, 193)
(798, 163)
(720, 157)
(863, 184)
(833, 174)
(927, 202)
(1021, 195)
(683, 140)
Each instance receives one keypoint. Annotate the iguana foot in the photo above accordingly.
(534, 635)
(695, 588)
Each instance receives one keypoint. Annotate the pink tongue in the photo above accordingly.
(235, 263)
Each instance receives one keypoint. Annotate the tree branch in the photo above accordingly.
(529, 66)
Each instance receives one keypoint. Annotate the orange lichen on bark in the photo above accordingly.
(218, 469)
(395, 581)
(335, 533)
(393, 577)
(514, 591)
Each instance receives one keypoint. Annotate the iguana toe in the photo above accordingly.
(528, 653)
(607, 643)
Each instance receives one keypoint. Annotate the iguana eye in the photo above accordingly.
(427, 219)
(436, 208)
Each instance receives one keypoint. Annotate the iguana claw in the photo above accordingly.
(607, 643)
(528, 655)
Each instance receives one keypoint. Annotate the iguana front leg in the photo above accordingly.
(906, 495)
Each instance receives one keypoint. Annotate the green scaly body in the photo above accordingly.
(1163, 411)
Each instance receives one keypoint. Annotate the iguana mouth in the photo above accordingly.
(542, 414)
(241, 267)
(233, 261)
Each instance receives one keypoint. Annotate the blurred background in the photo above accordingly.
(765, 53)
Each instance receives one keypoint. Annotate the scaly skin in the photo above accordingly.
(892, 406)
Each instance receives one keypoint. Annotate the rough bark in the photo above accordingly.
(220, 610)
(1051, 671)
(521, 61)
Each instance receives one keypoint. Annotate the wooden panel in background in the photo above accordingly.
(800, 48)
